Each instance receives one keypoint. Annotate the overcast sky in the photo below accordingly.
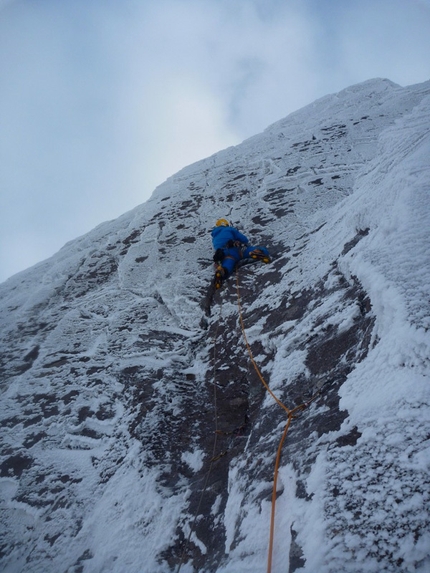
(102, 100)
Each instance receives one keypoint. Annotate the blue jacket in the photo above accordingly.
(221, 235)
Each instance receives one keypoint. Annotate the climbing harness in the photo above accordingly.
(290, 416)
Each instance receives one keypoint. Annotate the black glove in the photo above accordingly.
(218, 256)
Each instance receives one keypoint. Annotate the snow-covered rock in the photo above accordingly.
(137, 436)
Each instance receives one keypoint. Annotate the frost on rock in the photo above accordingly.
(137, 436)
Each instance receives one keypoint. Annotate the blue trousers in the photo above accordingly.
(234, 255)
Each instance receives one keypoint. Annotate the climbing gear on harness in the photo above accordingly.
(222, 223)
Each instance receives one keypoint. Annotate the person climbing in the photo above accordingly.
(231, 246)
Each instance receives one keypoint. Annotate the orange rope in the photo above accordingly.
(290, 414)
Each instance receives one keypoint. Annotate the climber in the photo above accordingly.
(231, 246)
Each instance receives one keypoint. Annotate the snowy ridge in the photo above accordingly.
(108, 365)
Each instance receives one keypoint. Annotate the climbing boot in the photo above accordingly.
(219, 277)
(258, 255)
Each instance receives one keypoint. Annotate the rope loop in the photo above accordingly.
(290, 412)
(290, 416)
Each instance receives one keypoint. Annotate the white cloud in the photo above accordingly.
(189, 126)
(388, 38)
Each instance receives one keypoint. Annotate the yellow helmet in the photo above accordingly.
(222, 223)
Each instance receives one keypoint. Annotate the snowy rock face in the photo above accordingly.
(137, 437)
